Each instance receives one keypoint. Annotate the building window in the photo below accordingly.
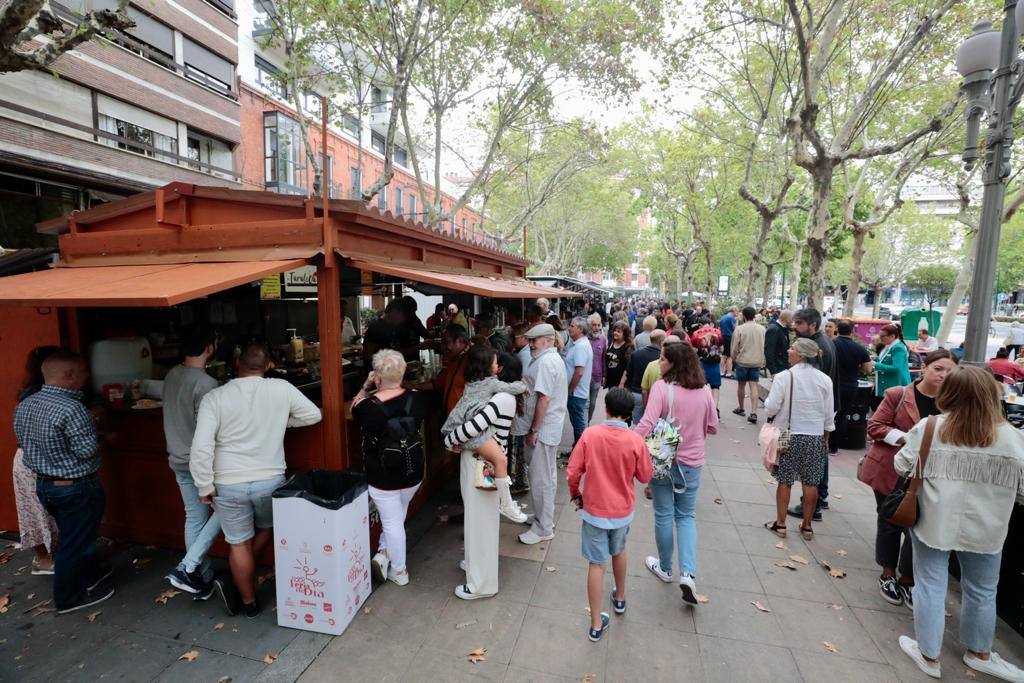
(284, 164)
(152, 140)
(357, 182)
(350, 125)
(311, 103)
(464, 233)
(377, 106)
(378, 142)
(207, 152)
(399, 207)
(382, 199)
(401, 156)
(271, 78)
(329, 176)
(207, 68)
(412, 206)
(263, 19)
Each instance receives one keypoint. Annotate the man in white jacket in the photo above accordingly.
(237, 461)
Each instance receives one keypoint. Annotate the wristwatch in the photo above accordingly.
(534, 431)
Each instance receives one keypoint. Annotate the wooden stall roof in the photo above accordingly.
(494, 287)
(133, 286)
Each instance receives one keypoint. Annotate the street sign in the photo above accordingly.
(723, 285)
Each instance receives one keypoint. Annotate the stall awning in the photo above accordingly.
(493, 287)
(133, 286)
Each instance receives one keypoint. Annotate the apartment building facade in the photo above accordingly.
(152, 105)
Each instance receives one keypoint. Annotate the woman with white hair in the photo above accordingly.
(803, 396)
(389, 418)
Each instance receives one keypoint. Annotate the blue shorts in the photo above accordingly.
(599, 545)
(747, 374)
(243, 508)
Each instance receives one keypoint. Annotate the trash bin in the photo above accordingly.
(857, 417)
(321, 550)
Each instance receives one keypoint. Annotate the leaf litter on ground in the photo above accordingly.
(165, 596)
(781, 546)
(92, 615)
(834, 572)
(477, 655)
(270, 658)
(799, 558)
(703, 599)
(759, 606)
(5, 603)
(189, 656)
(829, 646)
(785, 564)
(464, 624)
(269, 576)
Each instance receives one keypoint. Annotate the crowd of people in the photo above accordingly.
(509, 394)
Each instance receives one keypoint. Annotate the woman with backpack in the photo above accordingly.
(707, 339)
(389, 418)
(680, 408)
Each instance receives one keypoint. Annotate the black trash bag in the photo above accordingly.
(330, 489)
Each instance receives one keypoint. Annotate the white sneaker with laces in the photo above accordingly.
(654, 564)
(380, 565)
(689, 589)
(399, 578)
(995, 666)
(909, 646)
(513, 512)
(462, 565)
(530, 538)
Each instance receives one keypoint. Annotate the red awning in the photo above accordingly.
(133, 286)
(481, 285)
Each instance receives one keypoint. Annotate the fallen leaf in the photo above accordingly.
(781, 546)
(464, 624)
(165, 596)
(477, 655)
(842, 553)
(270, 658)
(835, 572)
(703, 599)
(443, 518)
(736, 441)
(189, 656)
(550, 568)
(836, 607)
(218, 626)
(30, 596)
(3, 641)
(92, 615)
(37, 605)
(829, 646)
(588, 678)
(140, 562)
(5, 558)
(785, 565)
(838, 496)
(260, 580)
(5, 601)
(759, 606)
(224, 679)
(970, 674)
(718, 501)
(798, 558)
(43, 610)
(367, 610)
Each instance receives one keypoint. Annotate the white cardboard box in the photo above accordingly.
(322, 563)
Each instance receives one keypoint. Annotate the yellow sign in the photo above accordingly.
(270, 287)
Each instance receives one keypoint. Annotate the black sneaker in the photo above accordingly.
(225, 587)
(798, 512)
(190, 582)
(92, 597)
(907, 593)
(206, 592)
(891, 592)
(822, 504)
(103, 571)
(251, 609)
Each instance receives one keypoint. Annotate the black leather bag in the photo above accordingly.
(901, 507)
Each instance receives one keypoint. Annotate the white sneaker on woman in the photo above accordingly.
(380, 565)
(654, 564)
(909, 646)
(513, 512)
(689, 589)
(400, 578)
(995, 666)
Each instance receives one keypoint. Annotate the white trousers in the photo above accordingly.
(480, 531)
(393, 507)
(542, 460)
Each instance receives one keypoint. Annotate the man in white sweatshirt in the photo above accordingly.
(237, 461)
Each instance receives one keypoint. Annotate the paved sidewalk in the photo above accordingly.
(535, 629)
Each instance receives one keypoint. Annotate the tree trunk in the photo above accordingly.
(680, 274)
(794, 284)
(769, 284)
(755, 257)
(817, 236)
(876, 309)
(853, 285)
(963, 281)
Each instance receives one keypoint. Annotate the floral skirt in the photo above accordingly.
(805, 460)
(36, 526)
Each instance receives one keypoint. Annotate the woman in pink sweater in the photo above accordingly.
(675, 497)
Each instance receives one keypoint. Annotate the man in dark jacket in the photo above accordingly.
(776, 343)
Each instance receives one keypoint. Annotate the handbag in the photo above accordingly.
(663, 442)
(784, 434)
(901, 507)
(774, 442)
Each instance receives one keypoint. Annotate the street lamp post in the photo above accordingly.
(991, 66)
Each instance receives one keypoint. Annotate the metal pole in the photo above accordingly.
(998, 143)
(782, 298)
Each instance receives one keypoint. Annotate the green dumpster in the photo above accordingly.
(911, 321)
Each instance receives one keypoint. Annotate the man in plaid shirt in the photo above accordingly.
(58, 435)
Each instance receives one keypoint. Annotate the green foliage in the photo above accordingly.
(934, 281)
(1010, 266)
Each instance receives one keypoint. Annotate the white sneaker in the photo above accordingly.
(689, 589)
(400, 578)
(513, 512)
(654, 564)
(380, 565)
(462, 565)
(909, 646)
(530, 538)
(995, 666)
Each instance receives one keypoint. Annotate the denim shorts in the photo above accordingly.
(747, 374)
(599, 545)
(245, 507)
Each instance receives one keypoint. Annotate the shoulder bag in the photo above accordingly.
(901, 507)
(774, 442)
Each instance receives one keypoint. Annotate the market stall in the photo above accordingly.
(133, 273)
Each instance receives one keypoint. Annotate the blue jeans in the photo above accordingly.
(577, 416)
(201, 528)
(78, 508)
(679, 509)
(638, 407)
(979, 577)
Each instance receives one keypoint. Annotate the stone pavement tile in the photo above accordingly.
(849, 486)
(564, 589)
(755, 492)
(517, 674)
(729, 571)
(509, 545)
(462, 626)
(860, 589)
(718, 536)
(208, 666)
(404, 613)
(750, 514)
(853, 503)
(859, 555)
(730, 614)
(759, 541)
(296, 658)
(435, 566)
(650, 600)
(807, 625)
(832, 524)
(866, 526)
(729, 661)
(808, 582)
(557, 641)
(835, 668)
(710, 511)
(516, 579)
(360, 656)
(886, 628)
(738, 474)
(564, 549)
(453, 666)
(651, 652)
(568, 519)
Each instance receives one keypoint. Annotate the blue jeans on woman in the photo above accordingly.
(979, 577)
(679, 509)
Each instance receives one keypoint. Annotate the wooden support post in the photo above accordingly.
(335, 439)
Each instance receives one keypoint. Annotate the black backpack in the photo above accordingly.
(399, 449)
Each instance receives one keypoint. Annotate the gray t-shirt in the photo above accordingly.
(184, 389)
(546, 375)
